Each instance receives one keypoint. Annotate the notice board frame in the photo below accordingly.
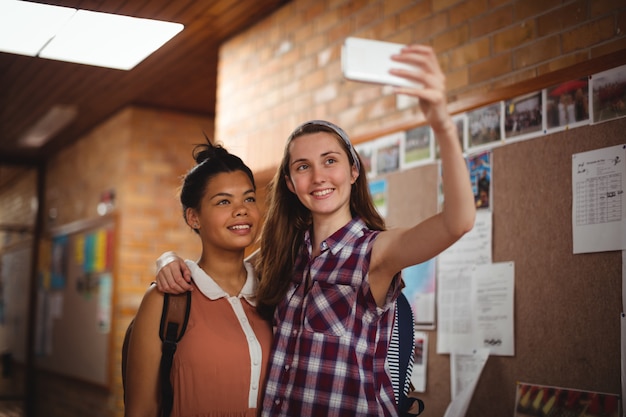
(74, 333)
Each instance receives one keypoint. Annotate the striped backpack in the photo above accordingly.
(401, 356)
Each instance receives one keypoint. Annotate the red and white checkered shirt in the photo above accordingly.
(330, 340)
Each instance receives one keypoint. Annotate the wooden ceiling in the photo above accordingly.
(180, 76)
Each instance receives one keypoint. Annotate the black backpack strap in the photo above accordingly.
(125, 346)
(174, 320)
(408, 403)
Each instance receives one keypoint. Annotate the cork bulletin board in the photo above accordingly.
(73, 334)
(567, 307)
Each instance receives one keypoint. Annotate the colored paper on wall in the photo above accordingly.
(58, 262)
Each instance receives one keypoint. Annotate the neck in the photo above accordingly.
(225, 268)
(324, 226)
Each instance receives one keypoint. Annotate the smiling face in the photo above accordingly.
(321, 175)
(228, 218)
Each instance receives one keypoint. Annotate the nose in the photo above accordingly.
(241, 210)
(318, 176)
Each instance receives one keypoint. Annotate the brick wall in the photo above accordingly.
(141, 154)
(278, 73)
(287, 69)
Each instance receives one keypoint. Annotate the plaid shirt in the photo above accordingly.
(330, 340)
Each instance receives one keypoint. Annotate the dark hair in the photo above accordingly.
(211, 160)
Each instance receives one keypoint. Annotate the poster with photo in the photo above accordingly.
(59, 262)
(460, 121)
(378, 191)
(609, 94)
(523, 117)
(485, 126)
(367, 154)
(480, 177)
(567, 104)
(417, 147)
(420, 283)
(388, 152)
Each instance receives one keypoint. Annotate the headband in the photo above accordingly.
(339, 131)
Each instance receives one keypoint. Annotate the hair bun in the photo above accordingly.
(207, 151)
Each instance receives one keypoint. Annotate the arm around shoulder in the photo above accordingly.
(173, 275)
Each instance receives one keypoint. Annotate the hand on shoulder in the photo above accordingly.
(173, 275)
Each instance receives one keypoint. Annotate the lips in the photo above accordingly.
(322, 193)
(240, 227)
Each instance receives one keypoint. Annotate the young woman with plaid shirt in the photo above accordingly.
(330, 271)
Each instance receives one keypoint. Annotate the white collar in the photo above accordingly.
(211, 290)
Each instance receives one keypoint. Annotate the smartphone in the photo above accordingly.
(368, 60)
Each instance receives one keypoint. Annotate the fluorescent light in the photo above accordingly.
(109, 40)
(49, 125)
(26, 27)
(83, 37)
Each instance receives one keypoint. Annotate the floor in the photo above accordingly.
(11, 395)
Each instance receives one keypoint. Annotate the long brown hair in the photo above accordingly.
(287, 219)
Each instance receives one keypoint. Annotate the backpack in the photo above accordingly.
(174, 318)
(408, 403)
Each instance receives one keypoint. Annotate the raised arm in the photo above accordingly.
(173, 275)
(396, 249)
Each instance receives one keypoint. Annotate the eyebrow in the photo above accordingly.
(322, 155)
(250, 191)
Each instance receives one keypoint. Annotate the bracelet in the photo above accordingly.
(165, 259)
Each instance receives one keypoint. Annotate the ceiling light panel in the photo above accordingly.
(26, 27)
(80, 36)
(109, 40)
(57, 118)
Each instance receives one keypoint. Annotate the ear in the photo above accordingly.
(192, 218)
(290, 184)
(354, 174)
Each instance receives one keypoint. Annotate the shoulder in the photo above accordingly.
(152, 301)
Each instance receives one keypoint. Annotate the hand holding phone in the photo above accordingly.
(368, 60)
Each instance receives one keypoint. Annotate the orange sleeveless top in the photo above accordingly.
(220, 363)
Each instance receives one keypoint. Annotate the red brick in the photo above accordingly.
(536, 52)
(616, 45)
(492, 21)
(349, 8)
(562, 18)
(426, 29)
(602, 7)
(589, 34)
(529, 8)
(514, 36)
(451, 38)
(380, 30)
(490, 68)
(514, 78)
(368, 15)
(439, 5)
(457, 79)
(562, 61)
(399, 7)
(413, 15)
(466, 11)
(469, 53)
